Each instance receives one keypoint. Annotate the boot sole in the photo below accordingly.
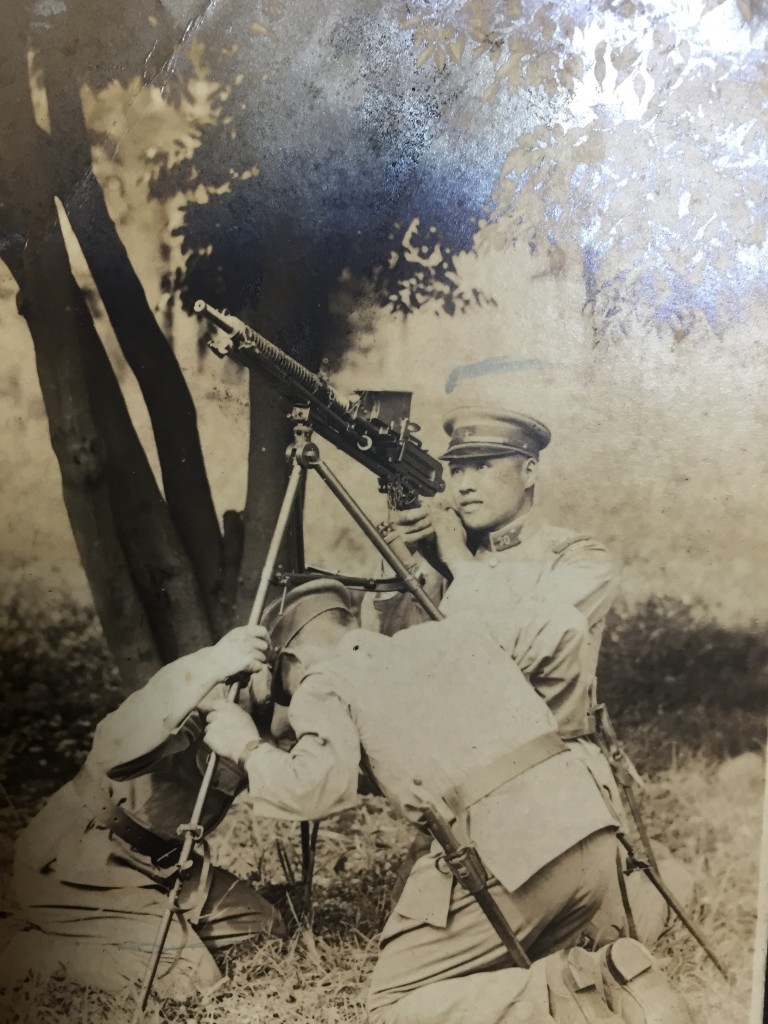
(645, 996)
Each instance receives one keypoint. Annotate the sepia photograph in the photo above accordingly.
(384, 558)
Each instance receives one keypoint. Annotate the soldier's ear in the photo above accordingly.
(292, 671)
(530, 472)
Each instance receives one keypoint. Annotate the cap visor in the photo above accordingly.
(483, 451)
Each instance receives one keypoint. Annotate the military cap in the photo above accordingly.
(477, 432)
(287, 615)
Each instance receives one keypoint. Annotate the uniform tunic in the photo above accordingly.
(436, 702)
(550, 581)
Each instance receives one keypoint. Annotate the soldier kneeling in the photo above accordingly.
(92, 869)
(440, 714)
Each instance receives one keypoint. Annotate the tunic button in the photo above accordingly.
(493, 562)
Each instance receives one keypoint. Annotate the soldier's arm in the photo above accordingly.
(143, 723)
(584, 576)
(543, 635)
(318, 776)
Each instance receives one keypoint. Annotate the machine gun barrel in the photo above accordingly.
(373, 427)
(280, 362)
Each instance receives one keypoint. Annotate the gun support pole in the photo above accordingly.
(673, 903)
(411, 581)
(291, 490)
(192, 830)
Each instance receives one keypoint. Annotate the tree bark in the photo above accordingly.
(146, 349)
(56, 314)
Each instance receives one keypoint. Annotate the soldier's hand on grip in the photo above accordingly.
(231, 732)
(243, 649)
(451, 537)
(413, 524)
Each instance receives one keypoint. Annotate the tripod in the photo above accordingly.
(304, 455)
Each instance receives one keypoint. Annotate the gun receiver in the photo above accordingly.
(373, 427)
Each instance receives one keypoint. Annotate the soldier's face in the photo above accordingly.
(489, 492)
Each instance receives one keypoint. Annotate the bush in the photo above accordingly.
(57, 680)
(676, 680)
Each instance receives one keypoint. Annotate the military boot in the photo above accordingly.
(576, 990)
(636, 989)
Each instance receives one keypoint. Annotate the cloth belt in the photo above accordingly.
(114, 818)
(578, 734)
(492, 776)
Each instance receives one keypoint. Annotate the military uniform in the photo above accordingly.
(430, 711)
(554, 587)
(92, 868)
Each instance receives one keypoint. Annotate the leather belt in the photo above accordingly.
(492, 776)
(112, 817)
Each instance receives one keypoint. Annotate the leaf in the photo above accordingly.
(490, 93)
(425, 55)
(456, 48)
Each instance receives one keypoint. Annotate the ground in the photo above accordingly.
(708, 813)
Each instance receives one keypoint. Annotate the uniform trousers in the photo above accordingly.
(101, 936)
(428, 974)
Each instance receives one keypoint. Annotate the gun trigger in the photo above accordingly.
(220, 347)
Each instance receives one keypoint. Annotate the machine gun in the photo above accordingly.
(373, 427)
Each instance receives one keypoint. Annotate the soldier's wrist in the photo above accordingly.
(250, 747)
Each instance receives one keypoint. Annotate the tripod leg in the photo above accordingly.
(412, 583)
(192, 830)
(291, 490)
(309, 830)
(672, 903)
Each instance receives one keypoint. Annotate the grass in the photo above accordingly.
(709, 814)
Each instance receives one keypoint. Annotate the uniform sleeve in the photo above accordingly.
(138, 732)
(318, 777)
(584, 576)
(543, 635)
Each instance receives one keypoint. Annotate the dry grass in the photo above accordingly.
(709, 815)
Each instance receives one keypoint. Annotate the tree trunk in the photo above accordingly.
(147, 351)
(57, 317)
(143, 588)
